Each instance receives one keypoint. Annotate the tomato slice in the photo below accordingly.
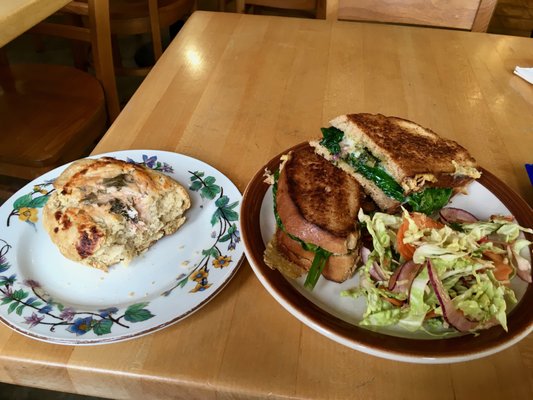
(422, 221)
(502, 270)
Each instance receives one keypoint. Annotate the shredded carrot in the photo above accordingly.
(502, 270)
(422, 221)
(393, 301)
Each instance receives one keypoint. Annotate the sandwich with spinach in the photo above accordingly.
(397, 162)
(315, 207)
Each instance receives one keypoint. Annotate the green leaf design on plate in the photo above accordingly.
(20, 308)
(103, 327)
(19, 294)
(23, 201)
(6, 300)
(196, 185)
(213, 252)
(137, 313)
(197, 175)
(210, 191)
(38, 202)
(222, 201)
(12, 307)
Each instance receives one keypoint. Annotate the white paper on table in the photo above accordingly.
(524, 73)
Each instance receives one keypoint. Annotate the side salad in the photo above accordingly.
(440, 275)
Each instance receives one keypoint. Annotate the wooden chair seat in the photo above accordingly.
(50, 114)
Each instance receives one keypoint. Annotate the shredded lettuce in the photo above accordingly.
(415, 314)
(457, 257)
(382, 227)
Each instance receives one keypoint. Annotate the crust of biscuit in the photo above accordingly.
(104, 211)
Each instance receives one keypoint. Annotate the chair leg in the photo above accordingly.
(155, 28)
(321, 9)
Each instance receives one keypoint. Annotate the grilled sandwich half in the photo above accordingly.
(316, 208)
(397, 161)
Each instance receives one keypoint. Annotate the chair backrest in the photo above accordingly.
(98, 34)
(314, 7)
(471, 15)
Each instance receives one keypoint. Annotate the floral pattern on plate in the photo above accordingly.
(28, 306)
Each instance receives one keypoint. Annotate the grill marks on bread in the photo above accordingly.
(325, 215)
(414, 156)
(324, 196)
(406, 148)
(318, 204)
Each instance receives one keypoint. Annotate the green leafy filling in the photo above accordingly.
(427, 201)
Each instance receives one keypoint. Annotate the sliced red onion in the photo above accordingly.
(451, 314)
(450, 214)
(402, 279)
(376, 271)
(365, 252)
(522, 265)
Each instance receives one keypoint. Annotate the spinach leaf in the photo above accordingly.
(332, 138)
(377, 175)
(319, 262)
(429, 200)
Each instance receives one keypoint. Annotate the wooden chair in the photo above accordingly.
(315, 8)
(133, 17)
(470, 15)
(52, 114)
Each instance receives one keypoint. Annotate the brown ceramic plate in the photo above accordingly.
(485, 196)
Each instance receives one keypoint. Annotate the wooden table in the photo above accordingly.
(17, 16)
(234, 90)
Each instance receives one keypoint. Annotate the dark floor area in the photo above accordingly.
(13, 392)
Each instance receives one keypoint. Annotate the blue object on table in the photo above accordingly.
(529, 169)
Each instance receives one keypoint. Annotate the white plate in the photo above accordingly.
(336, 317)
(45, 296)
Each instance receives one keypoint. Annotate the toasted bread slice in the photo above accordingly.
(318, 203)
(338, 268)
(382, 200)
(414, 156)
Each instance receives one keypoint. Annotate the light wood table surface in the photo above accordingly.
(234, 90)
(17, 16)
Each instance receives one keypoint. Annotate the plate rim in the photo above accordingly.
(432, 351)
(81, 341)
